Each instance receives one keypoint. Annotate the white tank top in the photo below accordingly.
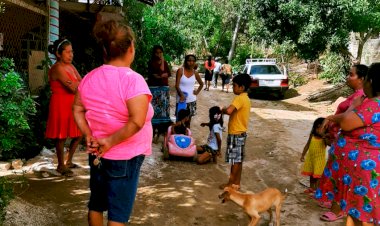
(187, 85)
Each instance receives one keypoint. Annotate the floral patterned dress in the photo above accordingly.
(354, 169)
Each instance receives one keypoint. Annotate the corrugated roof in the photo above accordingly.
(149, 2)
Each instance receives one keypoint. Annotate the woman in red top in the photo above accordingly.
(158, 68)
(64, 80)
(209, 70)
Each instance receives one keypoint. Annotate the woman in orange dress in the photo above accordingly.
(64, 80)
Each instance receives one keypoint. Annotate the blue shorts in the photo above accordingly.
(113, 185)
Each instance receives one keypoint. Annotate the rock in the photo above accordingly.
(17, 164)
(5, 165)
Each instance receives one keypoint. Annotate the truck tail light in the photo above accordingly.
(255, 83)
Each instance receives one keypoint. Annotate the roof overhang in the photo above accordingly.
(149, 2)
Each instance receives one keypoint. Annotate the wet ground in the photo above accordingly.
(178, 192)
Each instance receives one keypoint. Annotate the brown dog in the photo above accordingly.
(253, 204)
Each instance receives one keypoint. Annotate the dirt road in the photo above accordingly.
(183, 193)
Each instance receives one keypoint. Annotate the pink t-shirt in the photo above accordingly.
(342, 107)
(104, 93)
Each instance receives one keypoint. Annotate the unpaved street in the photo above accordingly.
(182, 193)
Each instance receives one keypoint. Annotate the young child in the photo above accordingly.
(316, 155)
(180, 126)
(214, 141)
(239, 112)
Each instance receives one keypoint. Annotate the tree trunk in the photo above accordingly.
(363, 37)
(234, 38)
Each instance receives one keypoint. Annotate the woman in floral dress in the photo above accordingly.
(355, 167)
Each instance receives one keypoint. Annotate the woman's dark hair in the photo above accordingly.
(154, 49)
(361, 70)
(243, 80)
(115, 38)
(216, 117)
(373, 76)
(58, 46)
(187, 57)
(316, 124)
(209, 61)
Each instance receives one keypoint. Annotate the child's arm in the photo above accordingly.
(228, 110)
(219, 141)
(305, 149)
(203, 124)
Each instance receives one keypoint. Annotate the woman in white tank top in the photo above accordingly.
(185, 82)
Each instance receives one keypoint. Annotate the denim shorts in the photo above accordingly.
(113, 185)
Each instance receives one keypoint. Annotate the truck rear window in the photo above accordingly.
(264, 69)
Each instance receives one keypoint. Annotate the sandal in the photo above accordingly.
(325, 204)
(330, 216)
(65, 172)
(309, 191)
(72, 165)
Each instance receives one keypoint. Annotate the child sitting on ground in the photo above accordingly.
(180, 126)
(316, 155)
(210, 150)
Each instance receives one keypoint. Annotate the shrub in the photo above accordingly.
(334, 68)
(6, 194)
(16, 109)
(296, 79)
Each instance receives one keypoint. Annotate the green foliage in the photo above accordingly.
(334, 67)
(284, 52)
(245, 51)
(2, 8)
(6, 194)
(16, 109)
(296, 79)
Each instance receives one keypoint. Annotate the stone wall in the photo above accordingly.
(371, 50)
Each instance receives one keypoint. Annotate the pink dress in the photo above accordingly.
(104, 93)
(325, 183)
(355, 166)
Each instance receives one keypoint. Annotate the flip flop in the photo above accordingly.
(309, 191)
(331, 217)
(65, 172)
(72, 166)
(325, 204)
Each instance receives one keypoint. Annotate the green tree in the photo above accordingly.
(364, 21)
(315, 26)
(311, 25)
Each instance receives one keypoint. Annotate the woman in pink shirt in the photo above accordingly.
(209, 70)
(112, 109)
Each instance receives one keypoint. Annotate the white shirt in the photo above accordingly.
(187, 85)
(211, 140)
(217, 66)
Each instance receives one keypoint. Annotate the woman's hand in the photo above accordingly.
(92, 145)
(302, 159)
(195, 92)
(182, 98)
(164, 75)
(104, 145)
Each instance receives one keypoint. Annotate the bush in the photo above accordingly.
(334, 67)
(296, 79)
(16, 110)
(6, 194)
